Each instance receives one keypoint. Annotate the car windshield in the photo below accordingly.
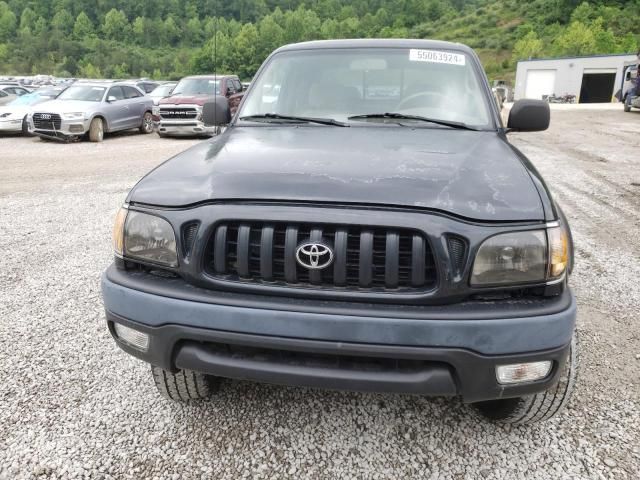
(30, 99)
(161, 91)
(197, 86)
(86, 93)
(342, 83)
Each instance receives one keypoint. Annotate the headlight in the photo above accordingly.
(146, 237)
(511, 258)
(534, 256)
(155, 110)
(73, 116)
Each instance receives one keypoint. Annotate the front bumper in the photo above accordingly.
(68, 129)
(14, 125)
(446, 351)
(186, 128)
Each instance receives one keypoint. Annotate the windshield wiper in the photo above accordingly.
(402, 116)
(277, 116)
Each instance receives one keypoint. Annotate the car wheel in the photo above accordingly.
(96, 130)
(147, 123)
(184, 385)
(538, 407)
(25, 127)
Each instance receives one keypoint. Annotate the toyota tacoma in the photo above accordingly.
(363, 223)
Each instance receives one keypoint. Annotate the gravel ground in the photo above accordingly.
(72, 405)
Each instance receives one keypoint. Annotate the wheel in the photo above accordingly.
(147, 123)
(96, 130)
(25, 127)
(538, 407)
(184, 385)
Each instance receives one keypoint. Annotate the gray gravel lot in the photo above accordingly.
(72, 405)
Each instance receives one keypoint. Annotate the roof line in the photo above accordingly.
(578, 56)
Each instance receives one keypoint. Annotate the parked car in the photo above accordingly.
(93, 109)
(371, 229)
(13, 116)
(629, 79)
(181, 113)
(147, 86)
(162, 91)
(6, 97)
(14, 90)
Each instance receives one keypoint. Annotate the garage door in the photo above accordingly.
(539, 83)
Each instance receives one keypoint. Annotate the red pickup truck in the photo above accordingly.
(181, 113)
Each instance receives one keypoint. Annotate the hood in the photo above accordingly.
(65, 106)
(185, 99)
(470, 174)
(19, 111)
(14, 111)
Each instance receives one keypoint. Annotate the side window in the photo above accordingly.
(21, 91)
(116, 92)
(237, 84)
(131, 92)
(231, 89)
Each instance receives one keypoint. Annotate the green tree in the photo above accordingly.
(116, 25)
(63, 22)
(8, 22)
(90, 71)
(529, 46)
(82, 28)
(577, 39)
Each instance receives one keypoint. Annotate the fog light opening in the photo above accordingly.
(133, 338)
(523, 372)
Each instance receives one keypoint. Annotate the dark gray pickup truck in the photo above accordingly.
(363, 223)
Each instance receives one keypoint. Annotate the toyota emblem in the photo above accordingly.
(314, 256)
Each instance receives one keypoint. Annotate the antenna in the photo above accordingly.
(215, 63)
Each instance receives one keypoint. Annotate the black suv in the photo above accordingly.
(363, 223)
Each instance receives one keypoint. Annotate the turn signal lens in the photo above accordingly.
(134, 338)
(118, 231)
(522, 372)
(558, 251)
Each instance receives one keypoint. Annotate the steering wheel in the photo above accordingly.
(435, 99)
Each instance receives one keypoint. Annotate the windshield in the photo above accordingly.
(161, 91)
(342, 83)
(86, 93)
(28, 99)
(197, 86)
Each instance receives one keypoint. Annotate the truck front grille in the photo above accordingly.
(46, 121)
(369, 258)
(177, 113)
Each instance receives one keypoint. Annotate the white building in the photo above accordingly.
(594, 79)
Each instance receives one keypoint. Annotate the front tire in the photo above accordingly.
(184, 385)
(147, 123)
(96, 130)
(25, 127)
(540, 406)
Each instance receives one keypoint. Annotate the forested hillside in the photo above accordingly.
(171, 38)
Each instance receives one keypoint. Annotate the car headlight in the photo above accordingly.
(138, 235)
(155, 110)
(73, 116)
(533, 256)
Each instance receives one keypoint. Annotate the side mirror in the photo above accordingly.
(529, 116)
(627, 77)
(111, 98)
(216, 112)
